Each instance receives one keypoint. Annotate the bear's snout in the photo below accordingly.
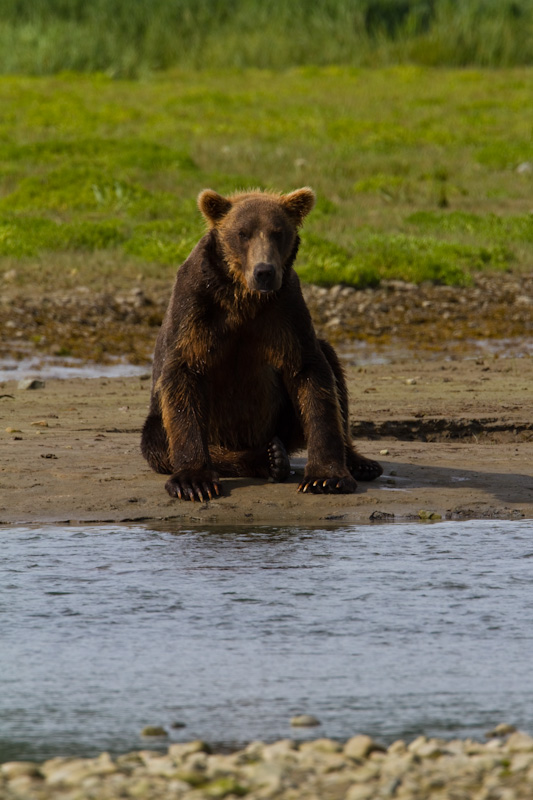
(265, 277)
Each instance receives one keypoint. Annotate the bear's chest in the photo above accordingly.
(245, 394)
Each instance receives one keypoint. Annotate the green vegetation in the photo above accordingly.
(132, 38)
(375, 257)
(421, 174)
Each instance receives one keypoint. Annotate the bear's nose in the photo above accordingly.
(264, 275)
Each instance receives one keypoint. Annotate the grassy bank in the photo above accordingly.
(421, 174)
(131, 38)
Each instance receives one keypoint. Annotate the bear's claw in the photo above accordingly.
(346, 485)
(279, 466)
(193, 490)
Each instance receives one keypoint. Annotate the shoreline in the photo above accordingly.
(454, 437)
(359, 769)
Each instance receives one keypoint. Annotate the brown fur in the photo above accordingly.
(240, 378)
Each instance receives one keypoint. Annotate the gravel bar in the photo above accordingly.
(322, 769)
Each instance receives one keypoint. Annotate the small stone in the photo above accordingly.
(377, 516)
(321, 746)
(161, 765)
(279, 750)
(153, 730)
(180, 751)
(384, 452)
(503, 729)
(67, 771)
(525, 168)
(361, 746)
(416, 743)
(519, 742)
(222, 787)
(30, 383)
(429, 749)
(398, 747)
(18, 769)
(41, 423)
(13, 430)
(361, 792)
(304, 721)
(429, 515)
(411, 381)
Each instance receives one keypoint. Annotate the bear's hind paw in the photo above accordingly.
(279, 466)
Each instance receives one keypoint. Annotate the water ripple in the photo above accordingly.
(392, 630)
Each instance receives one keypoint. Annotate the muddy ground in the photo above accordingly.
(455, 437)
(428, 320)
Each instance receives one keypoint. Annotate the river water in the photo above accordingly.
(390, 630)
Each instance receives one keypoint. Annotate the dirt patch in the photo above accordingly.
(455, 438)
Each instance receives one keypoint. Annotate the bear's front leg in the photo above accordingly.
(184, 415)
(315, 395)
(192, 485)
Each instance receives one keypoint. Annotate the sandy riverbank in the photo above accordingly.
(458, 437)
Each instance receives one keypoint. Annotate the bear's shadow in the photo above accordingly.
(507, 487)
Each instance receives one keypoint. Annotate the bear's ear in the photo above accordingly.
(213, 206)
(298, 204)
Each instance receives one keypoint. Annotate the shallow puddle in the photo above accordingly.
(359, 353)
(47, 367)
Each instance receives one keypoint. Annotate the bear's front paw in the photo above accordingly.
(335, 485)
(187, 486)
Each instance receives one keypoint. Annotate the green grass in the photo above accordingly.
(415, 170)
(129, 39)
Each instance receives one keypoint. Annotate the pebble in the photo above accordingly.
(153, 730)
(304, 721)
(17, 769)
(433, 515)
(503, 729)
(501, 769)
(30, 383)
(361, 746)
(520, 742)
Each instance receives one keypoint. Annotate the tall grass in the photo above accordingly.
(131, 37)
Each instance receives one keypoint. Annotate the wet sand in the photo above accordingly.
(455, 439)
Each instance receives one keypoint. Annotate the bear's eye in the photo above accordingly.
(277, 235)
(243, 235)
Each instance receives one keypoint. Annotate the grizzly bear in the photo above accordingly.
(240, 379)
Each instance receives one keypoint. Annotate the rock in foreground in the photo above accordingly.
(320, 769)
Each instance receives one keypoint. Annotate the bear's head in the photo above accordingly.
(258, 232)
